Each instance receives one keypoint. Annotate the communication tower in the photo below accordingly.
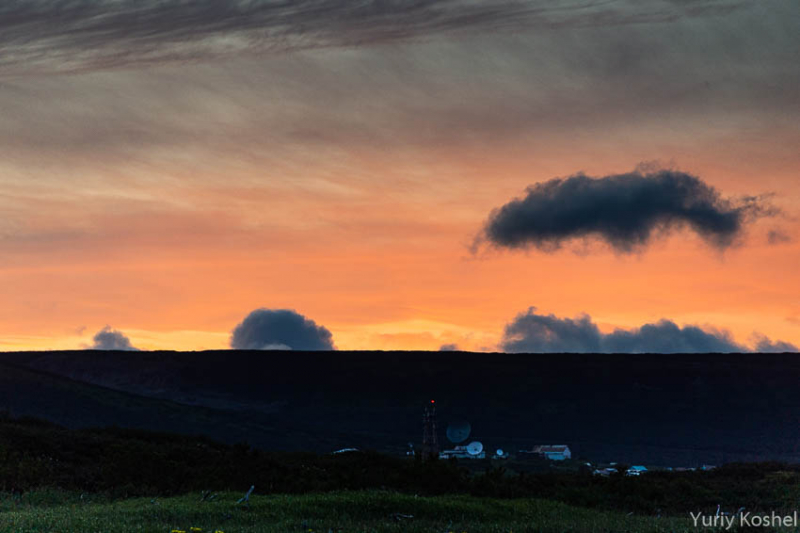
(430, 443)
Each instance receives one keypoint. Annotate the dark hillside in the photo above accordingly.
(34, 393)
(120, 463)
(657, 409)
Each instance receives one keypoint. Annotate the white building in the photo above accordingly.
(553, 452)
(461, 452)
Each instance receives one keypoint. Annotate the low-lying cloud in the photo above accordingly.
(626, 211)
(764, 345)
(531, 332)
(280, 329)
(111, 339)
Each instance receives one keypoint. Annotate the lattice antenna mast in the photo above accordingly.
(430, 443)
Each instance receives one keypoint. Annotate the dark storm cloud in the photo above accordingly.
(81, 34)
(448, 348)
(280, 329)
(531, 332)
(111, 339)
(624, 210)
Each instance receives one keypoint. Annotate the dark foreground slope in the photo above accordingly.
(660, 409)
(376, 512)
(36, 456)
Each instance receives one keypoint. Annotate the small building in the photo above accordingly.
(553, 452)
(636, 471)
(461, 452)
(605, 472)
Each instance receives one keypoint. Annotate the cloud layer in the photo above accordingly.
(280, 329)
(763, 344)
(111, 339)
(531, 332)
(624, 210)
(81, 34)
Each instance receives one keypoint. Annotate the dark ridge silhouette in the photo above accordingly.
(671, 410)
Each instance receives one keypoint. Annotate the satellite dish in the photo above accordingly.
(500, 452)
(474, 448)
(458, 431)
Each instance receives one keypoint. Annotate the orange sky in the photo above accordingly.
(168, 201)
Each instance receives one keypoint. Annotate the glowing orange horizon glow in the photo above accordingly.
(348, 185)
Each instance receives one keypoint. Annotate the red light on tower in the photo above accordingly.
(433, 401)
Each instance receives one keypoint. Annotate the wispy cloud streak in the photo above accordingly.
(47, 35)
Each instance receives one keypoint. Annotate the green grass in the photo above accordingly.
(366, 511)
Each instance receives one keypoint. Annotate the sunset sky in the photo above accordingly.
(165, 169)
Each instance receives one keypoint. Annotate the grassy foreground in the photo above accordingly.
(365, 511)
